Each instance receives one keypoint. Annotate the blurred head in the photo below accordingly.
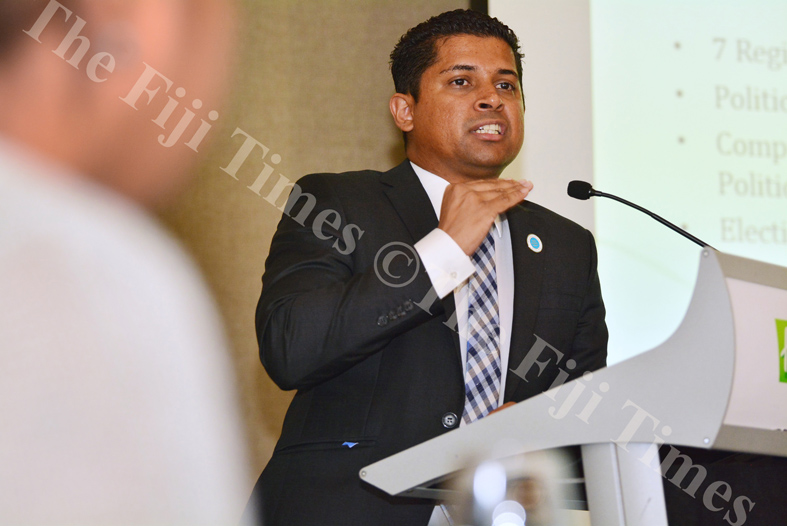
(70, 109)
(417, 49)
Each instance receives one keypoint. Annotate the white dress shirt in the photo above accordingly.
(117, 402)
(449, 269)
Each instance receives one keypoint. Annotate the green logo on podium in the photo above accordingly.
(781, 335)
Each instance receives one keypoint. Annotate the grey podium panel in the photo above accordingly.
(677, 393)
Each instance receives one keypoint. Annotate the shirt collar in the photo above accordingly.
(435, 186)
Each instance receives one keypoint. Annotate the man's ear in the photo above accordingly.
(401, 106)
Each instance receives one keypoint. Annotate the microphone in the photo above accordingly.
(583, 190)
(580, 190)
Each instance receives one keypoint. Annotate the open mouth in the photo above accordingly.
(492, 129)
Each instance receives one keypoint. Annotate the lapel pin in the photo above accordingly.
(534, 243)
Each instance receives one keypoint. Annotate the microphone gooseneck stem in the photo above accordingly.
(654, 216)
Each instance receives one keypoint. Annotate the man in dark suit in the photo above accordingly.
(373, 299)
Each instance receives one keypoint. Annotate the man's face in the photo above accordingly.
(468, 122)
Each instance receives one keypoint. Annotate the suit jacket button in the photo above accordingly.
(408, 305)
(450, 420)
(382, 321)
(391, 315)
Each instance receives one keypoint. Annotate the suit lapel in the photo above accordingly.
(409, 199)
(528, 272)
(415, 210)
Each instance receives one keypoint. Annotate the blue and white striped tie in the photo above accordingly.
(482, 375)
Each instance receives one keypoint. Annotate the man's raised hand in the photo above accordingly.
(469, 209)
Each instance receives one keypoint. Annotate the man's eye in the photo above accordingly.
(459, 82)
(506, 86)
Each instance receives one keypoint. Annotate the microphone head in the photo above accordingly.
(580, 190)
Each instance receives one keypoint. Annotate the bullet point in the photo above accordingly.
(681, 140)
(677, 45)
(679, 93)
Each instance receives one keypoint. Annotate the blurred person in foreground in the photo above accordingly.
(117, 404)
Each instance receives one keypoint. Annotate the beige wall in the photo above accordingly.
(313, 87)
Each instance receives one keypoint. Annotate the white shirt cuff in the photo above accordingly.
(446, 264)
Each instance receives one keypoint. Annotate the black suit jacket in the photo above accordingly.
(377, 367)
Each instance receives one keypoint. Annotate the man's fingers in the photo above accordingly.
(469, 209)
(502, 199)
(499, 190)
(516, 190)
(492, 184)
(504, 406)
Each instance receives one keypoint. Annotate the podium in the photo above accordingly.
(719, 382)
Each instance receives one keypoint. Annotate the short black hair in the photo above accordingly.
(17, 17)
(417, 49)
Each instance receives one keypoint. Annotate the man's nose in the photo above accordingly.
(489, 100)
